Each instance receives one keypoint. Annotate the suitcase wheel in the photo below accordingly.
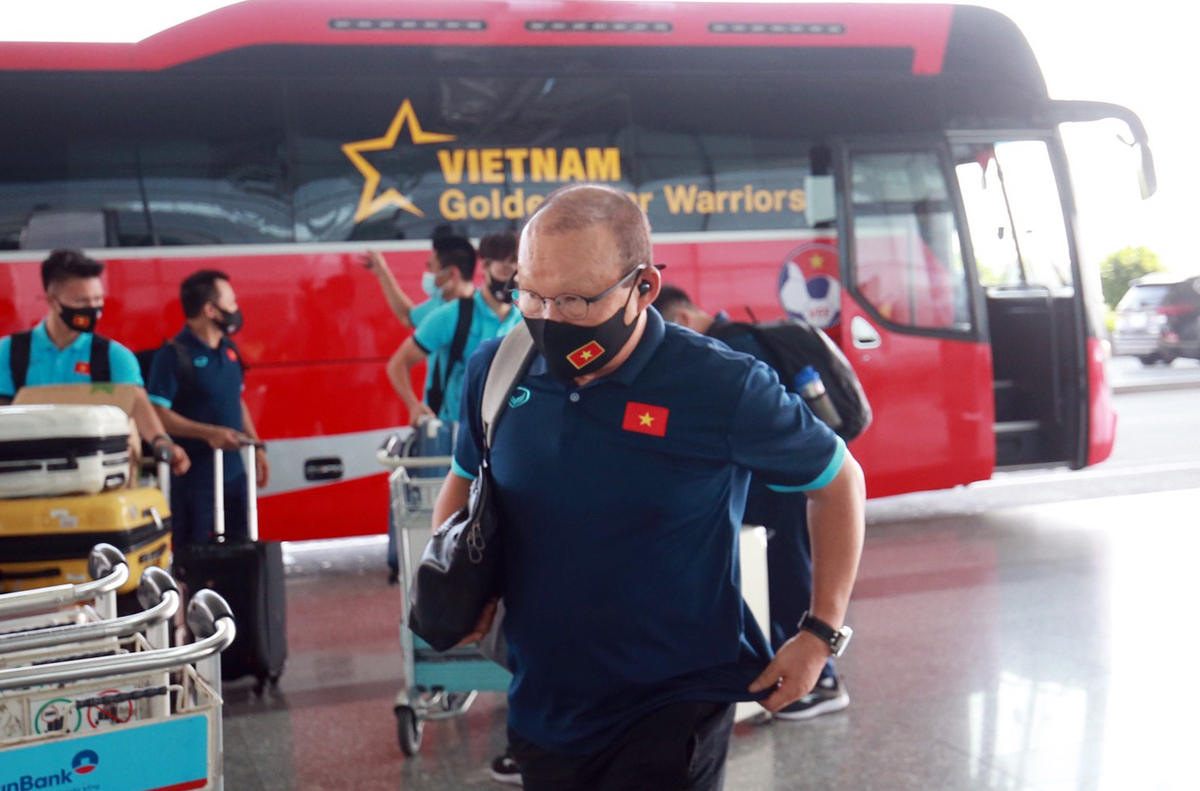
(409, 729)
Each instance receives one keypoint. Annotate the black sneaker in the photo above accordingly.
(505, 769)
(828, 696)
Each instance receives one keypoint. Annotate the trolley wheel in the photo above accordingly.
(409, 729)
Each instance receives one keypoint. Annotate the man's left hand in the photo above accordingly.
(262, 467)
(794, 672)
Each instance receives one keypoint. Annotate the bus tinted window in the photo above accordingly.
(162, 160)
(212, 161)
(394, 160)
(69, 170)
(719, 158)
(908, 261)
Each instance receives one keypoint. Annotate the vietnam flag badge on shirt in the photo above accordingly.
(646, 419)
(83, 368)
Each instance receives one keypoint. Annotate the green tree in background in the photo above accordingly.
(1121, 267)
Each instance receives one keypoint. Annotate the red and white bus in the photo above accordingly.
(893, 173)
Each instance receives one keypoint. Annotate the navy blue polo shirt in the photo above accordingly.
(623, 501)
(215, 396)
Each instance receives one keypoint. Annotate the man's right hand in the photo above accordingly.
(222, 438)
(483, 626)
(418, 413)
(374, 262)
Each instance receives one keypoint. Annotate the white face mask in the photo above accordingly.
(429, 284)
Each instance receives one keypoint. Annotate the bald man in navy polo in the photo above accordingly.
(621, 466)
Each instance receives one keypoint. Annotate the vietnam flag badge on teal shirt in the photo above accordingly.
(646, 419)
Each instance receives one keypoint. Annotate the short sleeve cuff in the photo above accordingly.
(831, 470)
(159, 401)
(458, 470)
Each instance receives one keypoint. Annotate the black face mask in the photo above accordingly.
(80, 319)
(572, 351)
(500, 290)
(230, 323)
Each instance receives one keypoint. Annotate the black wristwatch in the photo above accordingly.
(836, 639)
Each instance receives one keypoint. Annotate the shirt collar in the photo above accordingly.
(191, 339)
(42, 337)
(652, 337)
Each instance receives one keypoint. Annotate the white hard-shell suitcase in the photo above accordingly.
(50, 450)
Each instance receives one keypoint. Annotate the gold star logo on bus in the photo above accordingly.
(370, 203)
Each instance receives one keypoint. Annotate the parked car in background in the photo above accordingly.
(1140, 322)
(1180, 307)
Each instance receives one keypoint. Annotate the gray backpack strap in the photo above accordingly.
(508, 366)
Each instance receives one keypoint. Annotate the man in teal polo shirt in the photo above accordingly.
(449, 334)
(622, 470)
(65, 349)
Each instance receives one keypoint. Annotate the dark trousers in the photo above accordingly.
(680, 747)
(193, 510)
(789, 560)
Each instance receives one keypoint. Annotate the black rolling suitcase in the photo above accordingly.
(249, 575)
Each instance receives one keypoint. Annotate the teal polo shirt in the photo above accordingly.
(622, 503)
(435, 335)
(421, 312)
(49, 365)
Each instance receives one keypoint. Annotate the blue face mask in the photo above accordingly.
(429, 284)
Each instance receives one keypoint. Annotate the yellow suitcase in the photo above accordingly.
(46, 541)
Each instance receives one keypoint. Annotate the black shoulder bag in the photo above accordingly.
(461, 568)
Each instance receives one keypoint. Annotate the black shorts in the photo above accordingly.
(680, 747)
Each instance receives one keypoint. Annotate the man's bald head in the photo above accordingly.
(581, 206)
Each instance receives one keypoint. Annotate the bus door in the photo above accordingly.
(1035, 311)
(910, 325)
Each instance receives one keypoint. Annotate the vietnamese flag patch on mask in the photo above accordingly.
(646, 419)
(585, 354)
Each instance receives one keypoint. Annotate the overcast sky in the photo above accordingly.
(1144, 55)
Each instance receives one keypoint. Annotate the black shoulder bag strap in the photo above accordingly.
(101, 367)
(18, 357)
(185, 371)
(437, 393)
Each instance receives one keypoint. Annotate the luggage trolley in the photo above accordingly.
(437, 685)
(131, 715)
(59, 605)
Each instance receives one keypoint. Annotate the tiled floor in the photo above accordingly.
(1045, 648)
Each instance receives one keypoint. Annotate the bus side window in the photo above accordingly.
(908, 260)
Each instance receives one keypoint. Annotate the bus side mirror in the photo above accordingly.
(1084, 112)
(1147, 179)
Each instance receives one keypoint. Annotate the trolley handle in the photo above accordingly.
(156, 591)
(411, 462)
(108, 570)
(209, 618)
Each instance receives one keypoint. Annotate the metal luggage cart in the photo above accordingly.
(437, 685)
(137, 716)
(61, 605)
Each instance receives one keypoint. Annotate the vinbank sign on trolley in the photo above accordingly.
(543, 169)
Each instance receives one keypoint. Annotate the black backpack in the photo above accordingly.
(793, 344)
(22, 344)
(185, 368)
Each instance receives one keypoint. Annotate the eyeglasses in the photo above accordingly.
(573, 307)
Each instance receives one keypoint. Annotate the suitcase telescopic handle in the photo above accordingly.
(248, 459)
